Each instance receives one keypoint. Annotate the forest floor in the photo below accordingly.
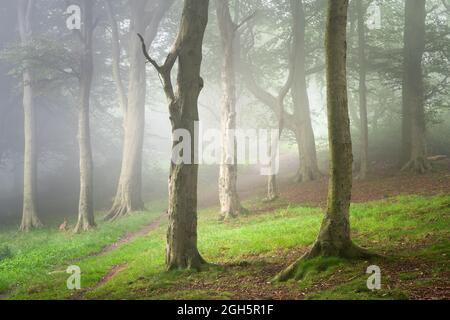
(405, 218)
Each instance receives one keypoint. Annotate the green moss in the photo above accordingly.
(357, 290)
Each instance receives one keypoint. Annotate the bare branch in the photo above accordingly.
(147, 56)
(247, 19)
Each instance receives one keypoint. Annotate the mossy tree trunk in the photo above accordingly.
(230, 205)
(414, 152)
(86, 200)
(30, 218)
(334, 235)
(182, 251)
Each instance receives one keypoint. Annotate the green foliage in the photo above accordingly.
(52, 63)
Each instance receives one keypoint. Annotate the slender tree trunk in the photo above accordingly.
(414, 153)
(364, 129)
(334, 235)
(129, 190)
(230, 205)
(30, 218)
(182, 251)
(86, 201)
(304, 133)
(121, 95)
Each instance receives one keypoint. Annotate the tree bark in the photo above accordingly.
(129, 190)
(30, 218)
(364, 129)
(128, 196)
(182, 251)
(309, 169)
(272, 188)
(121, 95)
(86, 201)
(414, 153)
(334, 235)
(230, 205)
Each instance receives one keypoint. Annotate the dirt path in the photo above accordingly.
(131, 235)
(117, 268)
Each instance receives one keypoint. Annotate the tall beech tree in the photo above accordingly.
(414, 151)
(30, 218)
(275, 103)
(182, 251)
(86, 200)
(304, 134)
(299, 121)
(334, 235)
(146, 16)
(364, 129)
(230, 205)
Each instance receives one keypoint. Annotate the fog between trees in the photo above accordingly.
(86, 115)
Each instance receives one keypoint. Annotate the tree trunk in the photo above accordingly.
(86, 202)
(129, 190)
(272, 188)
(128, 195)
(414, 153)
(230, 205)
(334, 235)
(182, 251)
(121, 95)
(364, 129)
(304, 133)
(30, 218)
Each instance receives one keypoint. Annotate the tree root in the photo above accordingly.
(27, 226)
(120, 210)
(418, 165)
(196, 263)
(83, 228)
(270, 199)
(231, 215)
(351, 251)
(117, 212)
(307, 175)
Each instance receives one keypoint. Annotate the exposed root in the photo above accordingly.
(270, 198)
(117, 212)
(418, 165)
(121, 210)
(307, 175)
(84, 226)
(28, 225)
(351, 251)
(231, 215)
(195, 262)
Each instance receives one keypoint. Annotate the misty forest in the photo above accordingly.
(225, 149)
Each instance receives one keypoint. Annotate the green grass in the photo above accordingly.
(407, 227)
(32, 256)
